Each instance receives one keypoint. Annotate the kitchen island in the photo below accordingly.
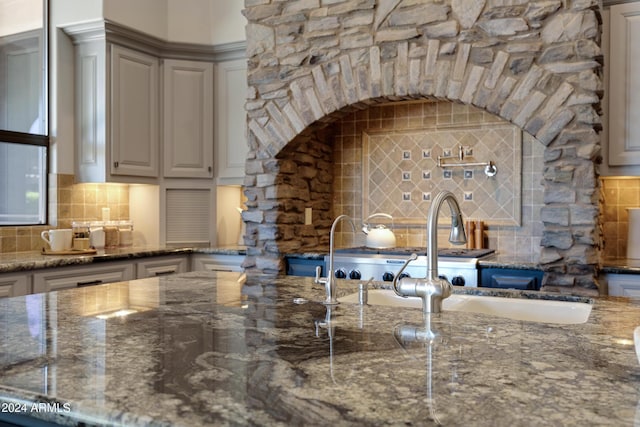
(210, 348)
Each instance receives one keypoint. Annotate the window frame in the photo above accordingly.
(8, 136)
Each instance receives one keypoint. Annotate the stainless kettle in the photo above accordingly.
(379, 236)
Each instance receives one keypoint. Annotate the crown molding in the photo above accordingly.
(112, 32)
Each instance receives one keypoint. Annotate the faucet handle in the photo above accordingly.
(319, 279)
(413, 257)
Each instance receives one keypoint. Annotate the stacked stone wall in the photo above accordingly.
(534, 63)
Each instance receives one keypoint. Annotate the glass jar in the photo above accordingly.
(111, 234)
(125, 230)
(81, 232)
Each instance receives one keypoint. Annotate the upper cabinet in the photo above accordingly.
(116, 112)
(231, 138)
(188, 119)
(145, 107)
(133, 109)
(624, 84)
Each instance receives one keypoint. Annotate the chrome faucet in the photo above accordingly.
(433, 289)
(329, 281)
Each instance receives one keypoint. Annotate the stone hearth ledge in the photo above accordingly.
(225, 349)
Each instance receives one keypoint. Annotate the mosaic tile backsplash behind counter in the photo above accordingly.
(401, 173)
(386, 161)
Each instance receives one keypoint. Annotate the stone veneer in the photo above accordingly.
(535, 64)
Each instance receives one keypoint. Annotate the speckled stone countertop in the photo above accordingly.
(25, 261)
(208, 348)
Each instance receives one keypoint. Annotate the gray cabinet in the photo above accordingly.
(72, 277)
(231, 139)
(162, 266)
(14, 285)
(623, 285)
(188, 119)
(117, 112)
(216, 262)
(624, 84)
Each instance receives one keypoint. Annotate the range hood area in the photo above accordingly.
(535, 65)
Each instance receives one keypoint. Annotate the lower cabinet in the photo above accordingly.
(216, 262)
(162, 266)
(623, 285)
(15, 285)
(87, 275)
(304, 266)
(507, 278)
(55, 279)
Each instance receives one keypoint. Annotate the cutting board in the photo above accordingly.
(69, 252)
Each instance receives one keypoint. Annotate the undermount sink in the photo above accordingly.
(532, 310)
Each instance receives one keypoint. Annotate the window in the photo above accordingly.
(23, 112)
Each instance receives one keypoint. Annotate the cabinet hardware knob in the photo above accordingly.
(116, 164)
(209, 169)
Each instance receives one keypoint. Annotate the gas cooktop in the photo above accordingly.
(443, 252)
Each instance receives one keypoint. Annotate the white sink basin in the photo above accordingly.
(532, 310)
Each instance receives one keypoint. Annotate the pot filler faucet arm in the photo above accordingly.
(329, 281)
(433, 289)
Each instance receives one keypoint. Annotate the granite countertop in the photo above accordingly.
(621, 266)
(25, 261)
(210, 348)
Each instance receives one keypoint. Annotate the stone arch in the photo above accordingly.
(550, 93)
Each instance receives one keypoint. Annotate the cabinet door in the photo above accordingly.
(90, 113)
(215, 262)
(231, 139)
(134, 113)
(188, 119)
(162, 266)
(14, 285)
(624, 85)
(624, 285)
(72, 277)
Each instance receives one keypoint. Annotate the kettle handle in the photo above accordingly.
(378, 215)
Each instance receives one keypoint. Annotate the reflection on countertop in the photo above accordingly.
(211, 348)
(25, 261)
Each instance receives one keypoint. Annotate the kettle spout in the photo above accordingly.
(365, 228)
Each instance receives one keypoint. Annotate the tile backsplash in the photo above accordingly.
(513, 227)
(401, 173)
(619, 193)
(68, 202)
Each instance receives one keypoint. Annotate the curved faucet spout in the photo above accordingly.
(457, 235)
(328, 281)
(433, 289)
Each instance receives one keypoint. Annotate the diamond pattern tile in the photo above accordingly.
(388, 156)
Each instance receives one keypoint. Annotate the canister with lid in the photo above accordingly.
(81, 232)
(125, 230)
(111, 234)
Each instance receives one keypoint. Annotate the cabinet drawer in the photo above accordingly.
(623, 285)
(161, 266)
(207, 262)
(14, 285)
(72, 277)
